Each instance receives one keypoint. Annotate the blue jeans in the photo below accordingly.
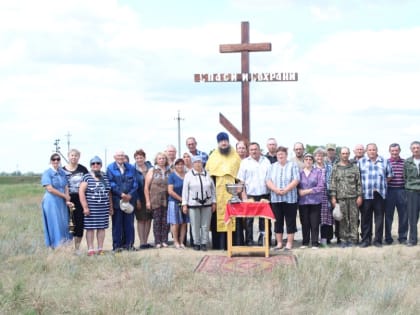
(396, 198)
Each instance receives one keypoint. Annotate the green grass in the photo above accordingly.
(36, 280)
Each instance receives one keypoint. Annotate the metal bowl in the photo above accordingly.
(234, 190)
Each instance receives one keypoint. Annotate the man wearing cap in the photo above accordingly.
(122, 177)
(332, 159)
(331, 153)
(222, 165)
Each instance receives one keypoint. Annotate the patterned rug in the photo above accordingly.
(214, 264)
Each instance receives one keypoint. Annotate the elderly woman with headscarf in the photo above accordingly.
(199, 201)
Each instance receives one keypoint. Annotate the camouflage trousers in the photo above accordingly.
(350, 222)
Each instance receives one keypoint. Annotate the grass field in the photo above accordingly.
(37, 280)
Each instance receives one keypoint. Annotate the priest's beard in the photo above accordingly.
(224, 151)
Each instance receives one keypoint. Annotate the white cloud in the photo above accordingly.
(325, 13)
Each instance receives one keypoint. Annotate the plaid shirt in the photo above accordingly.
(374, 176)
(281, 176)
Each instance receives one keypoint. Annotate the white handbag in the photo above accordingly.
(337, 214)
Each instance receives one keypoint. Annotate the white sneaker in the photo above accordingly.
(303, 247)
(315, 247)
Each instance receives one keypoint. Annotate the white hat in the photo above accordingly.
(337, 214)
(126, 206)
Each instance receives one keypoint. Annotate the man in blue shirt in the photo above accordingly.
(192, 148)
(375, 172)
(122, 177)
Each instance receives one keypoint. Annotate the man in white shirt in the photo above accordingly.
(252, 172)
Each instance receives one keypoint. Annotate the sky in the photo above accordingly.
(115, 74)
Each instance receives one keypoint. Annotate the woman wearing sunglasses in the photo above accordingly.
(55, 215)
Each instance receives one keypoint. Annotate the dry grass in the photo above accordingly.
(35, 280)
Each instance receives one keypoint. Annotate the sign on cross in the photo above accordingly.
(245, 47)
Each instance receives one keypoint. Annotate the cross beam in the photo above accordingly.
(245, 47)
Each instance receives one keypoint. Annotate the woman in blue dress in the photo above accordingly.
(176, 218)
(55, 215)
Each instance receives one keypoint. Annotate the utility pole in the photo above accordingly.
(68, 135)
(179, 133)
(57, 149)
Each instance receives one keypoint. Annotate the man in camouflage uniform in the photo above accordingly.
(346, 189)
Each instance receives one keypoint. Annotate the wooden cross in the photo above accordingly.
(245, 47)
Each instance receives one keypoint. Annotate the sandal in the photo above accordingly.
(91, 252)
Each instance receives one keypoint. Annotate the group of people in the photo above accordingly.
(174, 193)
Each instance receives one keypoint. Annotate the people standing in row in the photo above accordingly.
(199, 202)
(143, 215)
(55, 214)
(252, 172)
(222, 165)
(176, 218)
(156, 195)
(75, 172)
(310, 190)
(346, 190)
(95, 197)
(412, 186)
(122, 178)
(375, 172)
(396, 197)
(327, 220)
(282, 181)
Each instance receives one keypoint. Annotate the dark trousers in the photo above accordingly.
(219, 239)
(250, 221)
(373, 207)
(310, 218)
(413, 209)
(122, 229)
(396, 198)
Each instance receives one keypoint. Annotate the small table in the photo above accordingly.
(248, 209)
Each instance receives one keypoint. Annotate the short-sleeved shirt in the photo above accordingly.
(374, 176)
(281, 176)
(253, 173)
(177, 182)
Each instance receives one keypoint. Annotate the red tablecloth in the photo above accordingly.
(248, 209)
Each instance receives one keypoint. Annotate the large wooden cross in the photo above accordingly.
(245, 47)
